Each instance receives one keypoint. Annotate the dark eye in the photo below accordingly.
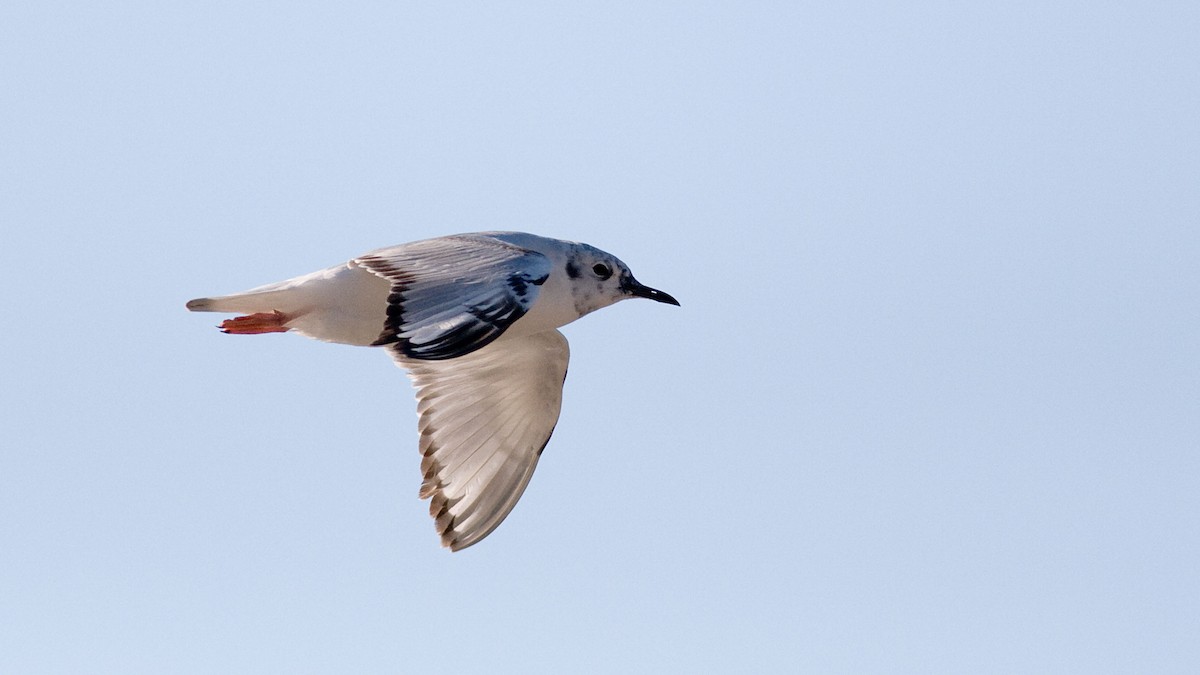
(603, 271)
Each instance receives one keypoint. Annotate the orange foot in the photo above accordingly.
(253, 324)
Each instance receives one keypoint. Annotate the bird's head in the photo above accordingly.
(598, 279)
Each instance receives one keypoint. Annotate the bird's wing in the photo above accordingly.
(453, 295)
(484, 419)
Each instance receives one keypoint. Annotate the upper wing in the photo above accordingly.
(453, 295)
(484, 420)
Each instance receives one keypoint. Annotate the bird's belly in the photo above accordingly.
(348, 305)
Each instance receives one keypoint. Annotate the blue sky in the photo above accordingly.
(931, 403)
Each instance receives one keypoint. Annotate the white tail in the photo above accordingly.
(346, 304)
(244, 303)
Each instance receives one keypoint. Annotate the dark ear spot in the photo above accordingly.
(572, 269)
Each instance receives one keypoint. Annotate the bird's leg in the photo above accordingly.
(253, 324)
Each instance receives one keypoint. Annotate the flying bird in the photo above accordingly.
(473, 318)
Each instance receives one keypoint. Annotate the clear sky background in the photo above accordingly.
(931, 403)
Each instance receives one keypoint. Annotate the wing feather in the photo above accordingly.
(484, 418)
(453, 295)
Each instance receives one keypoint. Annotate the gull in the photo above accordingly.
(473, 319)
